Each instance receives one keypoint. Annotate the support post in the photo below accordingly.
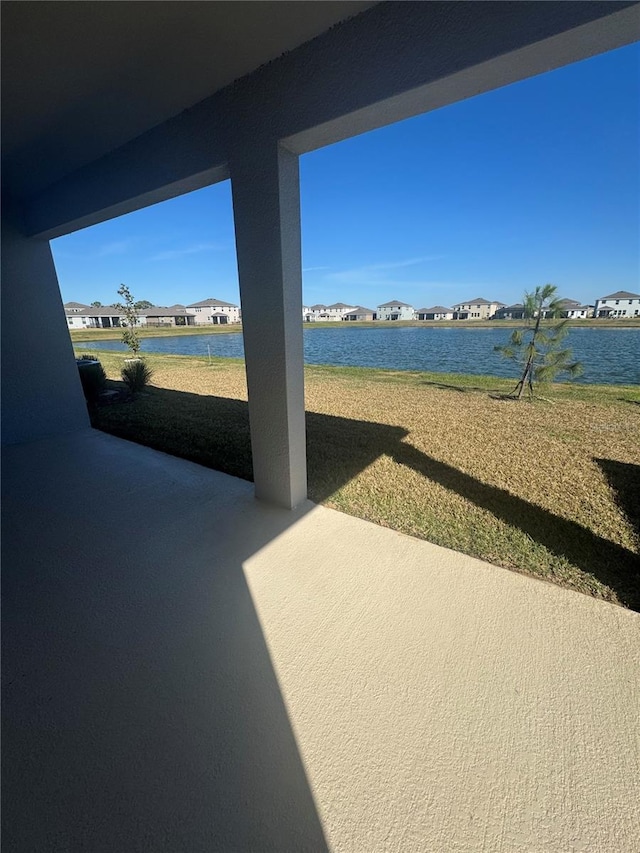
(266, 205)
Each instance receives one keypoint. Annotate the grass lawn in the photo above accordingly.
(551, 489)
(80, 335)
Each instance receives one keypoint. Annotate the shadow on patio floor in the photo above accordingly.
(214, 431)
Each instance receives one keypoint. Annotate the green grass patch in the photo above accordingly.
(550, 488)
(80, 335)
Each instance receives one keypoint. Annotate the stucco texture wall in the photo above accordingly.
(41, 392)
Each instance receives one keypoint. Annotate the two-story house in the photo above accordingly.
(214, 312)
(622, 303)
(395, 310)
(476, 309)
(76, 319)
(324, 313)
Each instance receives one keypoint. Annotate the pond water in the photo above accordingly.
(609, 356)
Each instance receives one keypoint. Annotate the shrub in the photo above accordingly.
(136, 375)
(92, 377)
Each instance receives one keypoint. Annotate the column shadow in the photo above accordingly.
(624, 479)
(141, 708)
(215, 433)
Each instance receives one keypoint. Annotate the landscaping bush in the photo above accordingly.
(136, 374)
(92, 377)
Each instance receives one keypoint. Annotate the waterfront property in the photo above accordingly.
(209, 312)
(359, 314)
(176, 315)
(437, 312)
(214, 312)
(395, 310)
(325, 313)
(510, 312)
(618, 304)
(230, 674)
(476, 309)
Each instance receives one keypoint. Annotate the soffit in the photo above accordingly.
(82, 78)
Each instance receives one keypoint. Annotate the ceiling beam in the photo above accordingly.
(391, 62)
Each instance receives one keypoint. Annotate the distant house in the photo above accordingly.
(322, 312)
(214, 312)
(74, 307)
(438, 312)
(395, 310)
(76, 319)
(338, 310)
(316, 312)
(476, 309)
(510, 312)
(176, 315)
(618, 304)
(102, 317)
(576, 311)
(359, 313)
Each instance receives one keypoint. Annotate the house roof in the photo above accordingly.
(395, 302)
(103, 311)
(340, 305)
(436, 309)
(621, 294)
(568, 302)
(74, 306)
(517, 306)
(212, 303)
(360, 310)
(479, 300)
(161, 311)
(318, 307)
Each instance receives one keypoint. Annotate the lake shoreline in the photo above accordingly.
(445, 379)
(79, 335)
(610, 358)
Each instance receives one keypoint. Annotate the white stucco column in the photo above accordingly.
(266, 204)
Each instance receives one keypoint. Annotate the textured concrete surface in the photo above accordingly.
(186, 669)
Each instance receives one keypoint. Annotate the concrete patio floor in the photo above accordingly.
(186, 670)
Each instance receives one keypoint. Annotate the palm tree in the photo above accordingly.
(536, 348)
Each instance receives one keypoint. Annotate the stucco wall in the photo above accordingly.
(41, 392)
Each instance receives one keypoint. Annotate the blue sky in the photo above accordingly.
(535, 182)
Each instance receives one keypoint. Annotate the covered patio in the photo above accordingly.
(187, 668)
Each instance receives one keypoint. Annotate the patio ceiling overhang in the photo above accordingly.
(153, 137)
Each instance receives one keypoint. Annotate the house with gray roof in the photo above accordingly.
(476, 309)
(395, 310)
(214, 312)
(437, 312)
(99, 317)
(359, 314)
(622, 303)
(509, 312)
(176, 315)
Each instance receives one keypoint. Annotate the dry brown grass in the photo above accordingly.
(549, 488)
